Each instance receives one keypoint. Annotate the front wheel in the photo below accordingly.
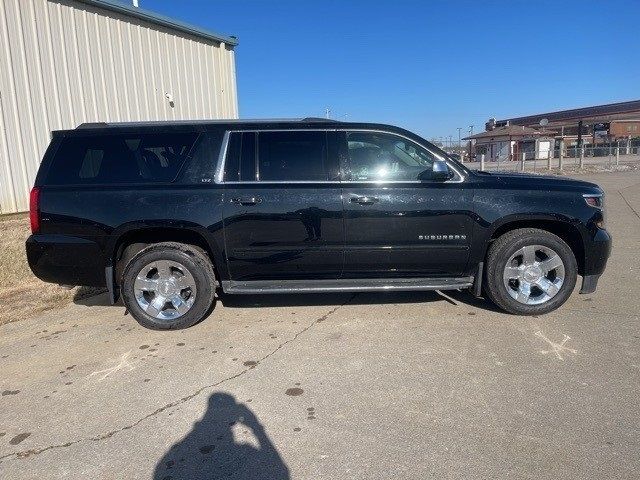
(530, 271)
(169, 286)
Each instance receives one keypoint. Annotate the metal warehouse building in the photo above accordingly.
(65, 62)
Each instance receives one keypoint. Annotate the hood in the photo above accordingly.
(537, 182)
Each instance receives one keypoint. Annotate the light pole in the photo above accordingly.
(470, 141)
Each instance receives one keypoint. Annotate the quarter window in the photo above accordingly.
(293, 156)
(102, 159)
(201, 168)
(384, 157)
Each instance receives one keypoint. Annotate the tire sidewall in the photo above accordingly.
(204, 287)
(495, 272)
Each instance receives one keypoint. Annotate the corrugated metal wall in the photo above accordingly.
(63, 62)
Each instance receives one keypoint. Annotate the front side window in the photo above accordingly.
(293, 156)
(374, 156)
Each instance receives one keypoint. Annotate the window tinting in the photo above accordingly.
(120, 158)
(202, 164)
(240, 163)
(248, 156)
(293, 156)
(386, 157)
(232, 158)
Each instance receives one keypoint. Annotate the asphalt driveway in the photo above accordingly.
(370, 386)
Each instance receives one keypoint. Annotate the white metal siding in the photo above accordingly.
(63, 62)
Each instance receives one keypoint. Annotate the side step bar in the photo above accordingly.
(345, 285)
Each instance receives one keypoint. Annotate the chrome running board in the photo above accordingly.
(346, 285)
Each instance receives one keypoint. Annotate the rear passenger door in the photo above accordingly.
(283, 206)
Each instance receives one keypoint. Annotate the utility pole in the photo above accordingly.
(459, 137)
(471, 142)
(579, 134)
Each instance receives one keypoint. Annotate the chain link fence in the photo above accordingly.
(573, 158)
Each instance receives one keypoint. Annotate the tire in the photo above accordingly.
(181, 275)
(512, 271)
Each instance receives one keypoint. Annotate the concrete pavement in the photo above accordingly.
(370, 386)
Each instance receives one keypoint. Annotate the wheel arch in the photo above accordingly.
(130, 241)
(566, 230)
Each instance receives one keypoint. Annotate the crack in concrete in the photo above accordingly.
(104, 436)
(601, 312)
(628, 204)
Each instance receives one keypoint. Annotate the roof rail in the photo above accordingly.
(318, 119)
(92, 125)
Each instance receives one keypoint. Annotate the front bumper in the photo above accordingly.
(596, 254)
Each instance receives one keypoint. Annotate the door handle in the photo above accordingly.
(246, 200)
(364, 200)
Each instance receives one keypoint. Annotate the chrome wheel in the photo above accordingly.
(165, 289)
(534, 274)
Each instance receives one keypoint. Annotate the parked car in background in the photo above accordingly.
(166, 214)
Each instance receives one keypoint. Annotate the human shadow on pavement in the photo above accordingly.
(210, 450)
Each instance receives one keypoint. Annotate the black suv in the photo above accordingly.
(164, 214)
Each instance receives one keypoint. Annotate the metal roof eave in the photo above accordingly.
(162, 20)
(598, 112)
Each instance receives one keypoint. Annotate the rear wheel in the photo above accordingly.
(530, 271)
(169, 286)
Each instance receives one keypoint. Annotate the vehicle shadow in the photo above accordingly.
(453, 297)
(91, 298)
(210, 450)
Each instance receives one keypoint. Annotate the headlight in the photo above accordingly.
(596, 200)
(593, 199)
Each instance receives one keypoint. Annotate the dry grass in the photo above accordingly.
(22, 295)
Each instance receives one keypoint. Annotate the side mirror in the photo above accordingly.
(440, 171)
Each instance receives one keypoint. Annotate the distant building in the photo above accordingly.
(508, 142)
(613, 122)
(66, 62)
(624, 129)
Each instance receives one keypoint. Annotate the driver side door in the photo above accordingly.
(398, 222)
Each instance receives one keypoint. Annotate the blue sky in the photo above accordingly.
(429, 66)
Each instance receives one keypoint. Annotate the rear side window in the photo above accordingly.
(108, 159)
(291, 156)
